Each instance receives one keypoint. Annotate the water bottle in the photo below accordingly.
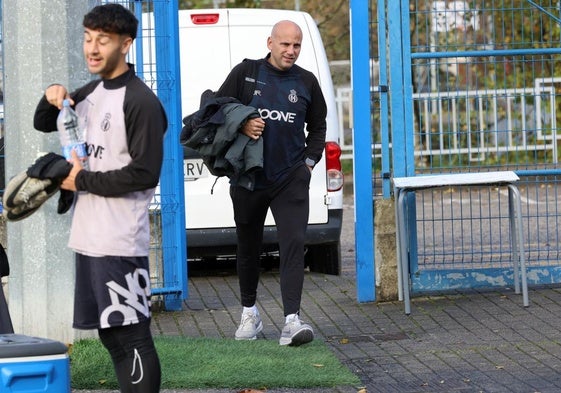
(71, 134)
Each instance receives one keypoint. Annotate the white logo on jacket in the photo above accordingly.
(277, 115)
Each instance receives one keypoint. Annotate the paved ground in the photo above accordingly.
(469, 342)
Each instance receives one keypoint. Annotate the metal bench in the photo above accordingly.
(405, 185)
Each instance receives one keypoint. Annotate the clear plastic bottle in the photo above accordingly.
(71, 134)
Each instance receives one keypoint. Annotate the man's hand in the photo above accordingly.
(69, 183)
(253, 128)
(55, 94)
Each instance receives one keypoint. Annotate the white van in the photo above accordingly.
(211, 43)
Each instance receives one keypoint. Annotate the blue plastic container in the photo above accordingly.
(33, 365)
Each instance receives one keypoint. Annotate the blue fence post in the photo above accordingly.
(403, 155)
(171, 180)
(362, 142)
(384, 105)
(401, 89)
(408, 127)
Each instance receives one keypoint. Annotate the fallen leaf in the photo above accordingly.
(250, 391)
(344, 341)
(318, 365)
(363, 390)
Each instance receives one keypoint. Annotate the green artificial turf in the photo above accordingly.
(195, 363)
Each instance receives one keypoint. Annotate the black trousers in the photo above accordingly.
(289, 203)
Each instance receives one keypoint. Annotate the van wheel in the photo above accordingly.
(324, 258)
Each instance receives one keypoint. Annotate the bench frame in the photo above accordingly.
(406, 185)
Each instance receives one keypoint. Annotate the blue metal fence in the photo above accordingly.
(475, 87)
(156, 57)
(363, 190)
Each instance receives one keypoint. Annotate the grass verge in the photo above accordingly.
(197, 363)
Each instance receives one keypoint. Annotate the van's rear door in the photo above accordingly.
(204, 55)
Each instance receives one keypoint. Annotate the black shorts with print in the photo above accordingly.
(111, 291)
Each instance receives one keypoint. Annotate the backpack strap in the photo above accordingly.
(251, 74)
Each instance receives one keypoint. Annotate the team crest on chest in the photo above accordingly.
(105, 123)
(293, 96)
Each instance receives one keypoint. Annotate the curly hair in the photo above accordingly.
(112, 18)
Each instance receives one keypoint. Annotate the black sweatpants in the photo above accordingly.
(289, 203)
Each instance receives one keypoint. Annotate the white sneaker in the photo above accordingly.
(295, 332)
(250, 326)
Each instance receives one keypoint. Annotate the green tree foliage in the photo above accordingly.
(244, 3)
(332, 18)
(487, 25)
(476, 46)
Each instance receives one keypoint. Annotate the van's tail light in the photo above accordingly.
(204, 19)
(333, 160)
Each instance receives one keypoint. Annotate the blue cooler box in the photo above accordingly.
(33, 365)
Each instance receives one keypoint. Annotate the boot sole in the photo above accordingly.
(303, 336)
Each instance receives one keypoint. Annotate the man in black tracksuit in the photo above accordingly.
(288, 99)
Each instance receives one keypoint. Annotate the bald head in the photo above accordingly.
(284, 43)
(285, 26)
